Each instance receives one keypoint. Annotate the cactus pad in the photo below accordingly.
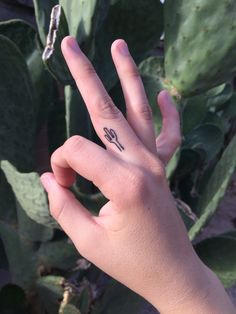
(197, 57)
(29, 193)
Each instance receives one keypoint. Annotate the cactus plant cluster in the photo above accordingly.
(38, 99)
(196, 58)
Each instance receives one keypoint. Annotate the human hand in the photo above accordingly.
(138, 237)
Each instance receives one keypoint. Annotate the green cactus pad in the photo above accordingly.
(218, 96)
(139, 24)
(198, 105)
(31, 230)
(7, 204)
(213, 188)
(13, 29)
(30, 50)
(83, 16)
(56, 128)
(229, 111)
(207, 139)
(29, 193)
(77, 117)
(119, 299)
(57, 254)
(219, 254)
(20, 255)
(50, 290)
(200, 44)
(18, 108)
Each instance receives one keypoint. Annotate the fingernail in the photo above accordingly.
(123, 48)
(73, 45)
(46, 181)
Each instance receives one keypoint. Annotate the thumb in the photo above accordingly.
(72, 216)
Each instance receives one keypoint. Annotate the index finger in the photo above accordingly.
(79, 155)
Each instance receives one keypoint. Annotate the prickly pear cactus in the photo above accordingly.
(84, 16)
(18, 108)
(196, 56)
(29, 193)
(13, 30)
(212, 189)
(127, 20)
(195, 60)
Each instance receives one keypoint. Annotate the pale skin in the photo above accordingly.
(138, 237)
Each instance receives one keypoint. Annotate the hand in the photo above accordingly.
(138, 236)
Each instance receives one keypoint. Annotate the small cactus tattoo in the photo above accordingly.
(112, 137)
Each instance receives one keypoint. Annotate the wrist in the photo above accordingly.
(183, 279)
(200, 292)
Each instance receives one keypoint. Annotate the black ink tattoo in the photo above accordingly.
(112, 137)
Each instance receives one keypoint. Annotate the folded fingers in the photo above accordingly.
(79, 155)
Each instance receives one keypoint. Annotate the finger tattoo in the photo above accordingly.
(112, 137)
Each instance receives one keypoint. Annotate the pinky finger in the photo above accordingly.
(170, 137)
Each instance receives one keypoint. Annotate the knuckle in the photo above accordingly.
(140, 182)
(154, 165)
(158, 171)
(137, 182)
(130, 69)
(145, 111)
(54, 157)
(87, 70)
(106, 108)
(74, 144)
(133, 72)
